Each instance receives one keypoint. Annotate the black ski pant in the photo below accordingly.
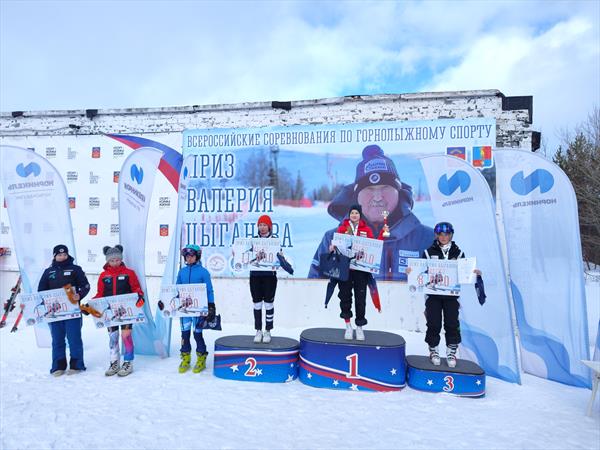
(437, 306)
(358, 282)
(262, 289)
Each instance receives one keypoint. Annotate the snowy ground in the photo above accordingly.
(158, 408)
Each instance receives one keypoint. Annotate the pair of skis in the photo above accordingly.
(10, 305)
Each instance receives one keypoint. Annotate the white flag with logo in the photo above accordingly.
(172, 266)
(461, 195)
(38, 210)
(541, 225)
(135, 191)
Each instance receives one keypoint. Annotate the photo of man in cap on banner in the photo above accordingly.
(379, 190)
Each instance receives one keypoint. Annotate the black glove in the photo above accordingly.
(212, 312)
(161, 305)
(85, 313)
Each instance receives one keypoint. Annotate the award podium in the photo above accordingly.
(467, 379)
(239, 358)
(327, 360)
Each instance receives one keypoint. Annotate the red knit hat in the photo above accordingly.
(266, 220)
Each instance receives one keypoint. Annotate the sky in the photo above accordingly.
(131, 54)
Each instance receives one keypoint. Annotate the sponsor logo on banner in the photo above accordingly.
(164, 202)
(72, 203)
(50, 152)
(164, 230)
(118, 151)
(30, 169)
(216, 263)
(114, 203)
(71, 154)
(524, 185)
(482, 157)
(377, 164)
(91, 256)
(4, 228)
(94, 179)
(161, 258)
(93, 229)
(459, 152)
(72, 176)
(137, 174)
(94, 202)
(95, 152)
(116, 176)
(459, 180)
(114, 229)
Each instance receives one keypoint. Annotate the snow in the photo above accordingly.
(156, 407)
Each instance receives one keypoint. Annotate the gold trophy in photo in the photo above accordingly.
(386, 232)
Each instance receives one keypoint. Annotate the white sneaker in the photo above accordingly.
(434, 356)
(113, 369)
(266, 337)
(360, 334)
(258, 337)
(349, 334)
(126, 369)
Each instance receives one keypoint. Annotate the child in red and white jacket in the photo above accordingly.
(118, 279)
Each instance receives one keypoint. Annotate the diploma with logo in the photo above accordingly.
(365, 252)
(255, 254)
(433, 276)
(184, 300)
(48, 306)
(116, 310)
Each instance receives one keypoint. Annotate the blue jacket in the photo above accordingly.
(60, 274)
(408, 236)
(196, 273)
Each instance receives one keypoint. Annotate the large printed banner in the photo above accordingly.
(256, 254)
(117, 310)
(307, 177)
(90, 167)
(541, 224)
(135, 191)
(365, 252)
(461, 195)
(184, 300)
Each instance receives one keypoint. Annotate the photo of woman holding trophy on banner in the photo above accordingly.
(358, 280)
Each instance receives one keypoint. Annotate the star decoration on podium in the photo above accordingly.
(336, 382)
(354, 387)
(234, 368)
(258, 372)
(309, 375)
(478, 382)
(393, 371)
(290, 378)
(429, 382)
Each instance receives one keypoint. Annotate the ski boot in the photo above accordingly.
(451, 355)
(126, 369)
(266, 337)
(58, 373)
(258, 337)
(74, 371)
(113, 369)
(434, 356)
(360, 334)
(186, 360)
(349, 333)
(200, 362)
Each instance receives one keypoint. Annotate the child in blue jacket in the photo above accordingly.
(194, 273)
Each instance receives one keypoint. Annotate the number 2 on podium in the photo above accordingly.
(353, 365)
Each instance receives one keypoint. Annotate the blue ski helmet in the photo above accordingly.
(443, 227)
(191, 250)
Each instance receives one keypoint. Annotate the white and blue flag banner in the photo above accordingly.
(135, 191)
(38, 211)
(541, 224)
(461, 195)
(163, 325)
